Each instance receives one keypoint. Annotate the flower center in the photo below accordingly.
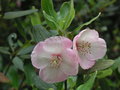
(55, 61)
(83, 47)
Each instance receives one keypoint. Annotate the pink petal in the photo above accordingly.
(88, 35)
(52, 75)
(75, 42)
(69, 64)
(98, 49)
(57, 43)
(86, 63)
(39, 57)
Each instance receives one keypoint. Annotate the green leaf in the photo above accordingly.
(15, 14)
(49, 13)
(35, 18)
(88, 85)
(104, 73)
(91, 2)
(13, 75)
(20, 28)
(47, 6)
(71, 82)
(27, 48)
(54, 32)
(64, 10)
(87, 23)
(101, 64)
(51, 21)
(4, 50)
(59, 85)
(68, 19)
(119, 69)
(66, 14)
(39, 33)
(18, 63)
(33, 79)
(116, 64)
(63, 14)
(60, 20)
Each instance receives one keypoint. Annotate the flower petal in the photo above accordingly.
(52, 75)
(39, 57)
(98, 49)
(70, 62)
(56, 44)
(86, 63)
(75, 42)
(88, 35)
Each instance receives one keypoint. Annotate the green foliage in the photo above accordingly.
(71, 82)
(116, 64)
(4, 50)
(35, 18)
(39, 33)
(18, 63)
(11, 15)
(89, 84)
(49, 13)
(104, 73)
(14, 77)
(20, 34)
(101, 64)
(66, 14)
(58, 20)
(87, 23)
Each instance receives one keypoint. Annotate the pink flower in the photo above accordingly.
(89, 47)
(55, 59)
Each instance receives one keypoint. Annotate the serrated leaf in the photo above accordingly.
(101, 64)
(39, 33)
(18, 63)
(54, 32)
(15, 14)
(25, 49)
(88, 85)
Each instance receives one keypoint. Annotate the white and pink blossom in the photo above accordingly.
(55, 59)
(89, 47)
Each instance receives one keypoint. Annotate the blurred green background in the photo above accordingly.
(16, 44)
